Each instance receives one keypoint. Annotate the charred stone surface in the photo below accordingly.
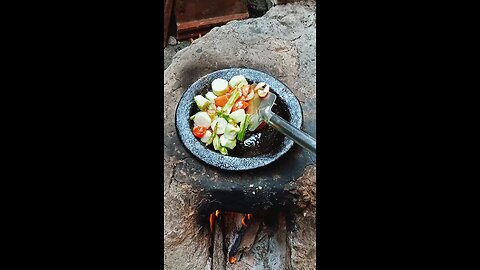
(281, 43)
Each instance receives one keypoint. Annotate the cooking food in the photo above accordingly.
(227, 112)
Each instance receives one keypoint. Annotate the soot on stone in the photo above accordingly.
(243, 225)
(242, 238)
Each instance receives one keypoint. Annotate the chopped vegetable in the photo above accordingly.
(222, 100)
(245, 90)
(238, 115)
(243, 128)
(223, 115)
(235, 80)
(220, 87)
(212, 137)
(199, 131)
(202, 103)
(212, 114)
(207, 136)
(202, 119)
(224, 151)
(260, 85)
(227, 143)
(231, 101)
(231, 132)
(250, 95)
(228, 112)
(212, 106)
(242, 84)
(264, 92)
(240, 105)
(216, 143)
(222, 124)
(211, 97)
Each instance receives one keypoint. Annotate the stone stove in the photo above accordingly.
(280, 196)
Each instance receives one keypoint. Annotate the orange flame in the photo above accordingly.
(211, 222)
(217, 212)
(232, 260)
(249, 216)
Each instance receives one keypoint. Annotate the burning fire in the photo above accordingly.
(216, 214)
(245, 219)
(249, 216)
(232, 259)
(212, 218)
(211, 222)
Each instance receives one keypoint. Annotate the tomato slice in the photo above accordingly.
(240, 105)
(199, 131)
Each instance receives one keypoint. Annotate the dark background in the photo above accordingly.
(88, 191)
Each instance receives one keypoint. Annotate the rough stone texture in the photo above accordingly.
(302, 241)
(171, 50)
(183, 239)
(281, 43)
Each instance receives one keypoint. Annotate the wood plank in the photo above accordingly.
(167, 12)
(197, 16)
(210, 22)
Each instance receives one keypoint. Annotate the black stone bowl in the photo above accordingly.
(259, 148)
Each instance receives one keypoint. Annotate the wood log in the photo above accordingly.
(249, 236)
(219, 259)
